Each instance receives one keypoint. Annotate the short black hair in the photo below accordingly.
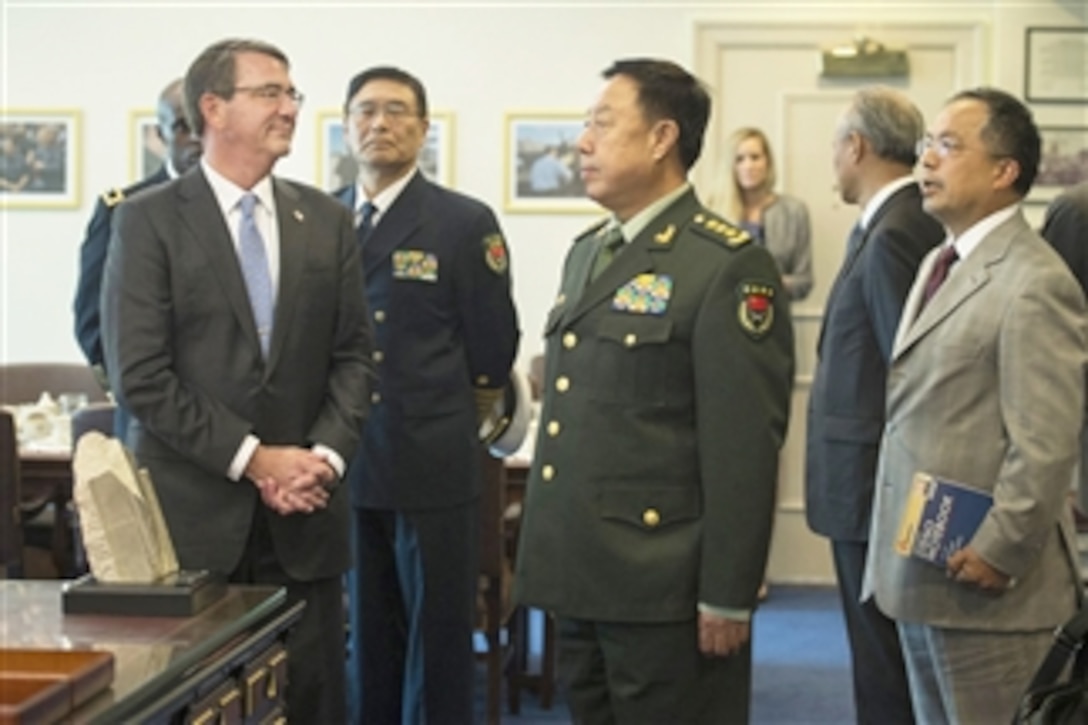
(388, 73)
(1010, 131)
(667, 91)
(214, 72)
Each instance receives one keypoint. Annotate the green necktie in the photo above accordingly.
(607, 247)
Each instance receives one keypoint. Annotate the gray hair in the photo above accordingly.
(891, 122)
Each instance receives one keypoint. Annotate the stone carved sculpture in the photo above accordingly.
(124, 532)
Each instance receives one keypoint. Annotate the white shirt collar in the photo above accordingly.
(228, 194)
(881, 196)
(384, 199)
(970, 239)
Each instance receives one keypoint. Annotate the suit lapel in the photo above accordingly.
(396, 224)
(204, 219)
(292, 218)
(899, 196)
(973, 274)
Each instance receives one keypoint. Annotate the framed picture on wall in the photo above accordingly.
(39, 158)
(147, 153)
(1056, 65)
(541, 164)
(1064, 161)
(336, 167)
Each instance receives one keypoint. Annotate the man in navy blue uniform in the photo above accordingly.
(446, 332)
(182, 151)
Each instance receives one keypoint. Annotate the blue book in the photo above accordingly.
(940, 518)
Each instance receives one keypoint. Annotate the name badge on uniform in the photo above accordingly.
(415, 264)
(646, 294)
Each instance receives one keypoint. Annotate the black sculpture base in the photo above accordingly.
(181, 594)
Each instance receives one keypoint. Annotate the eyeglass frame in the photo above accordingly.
(945, 146)
(274, 92)
(395, 111)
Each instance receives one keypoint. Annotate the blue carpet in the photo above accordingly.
(801, 670)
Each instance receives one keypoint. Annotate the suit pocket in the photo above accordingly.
(650, 508)
(635, 364)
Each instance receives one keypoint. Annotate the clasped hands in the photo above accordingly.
(291, 479)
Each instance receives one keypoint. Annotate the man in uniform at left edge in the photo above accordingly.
(182, 152)
(446, 332)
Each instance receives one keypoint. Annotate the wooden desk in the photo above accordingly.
(165, 668)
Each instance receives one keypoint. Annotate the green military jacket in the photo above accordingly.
(666, 399)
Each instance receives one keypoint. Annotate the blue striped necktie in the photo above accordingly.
(254, 259)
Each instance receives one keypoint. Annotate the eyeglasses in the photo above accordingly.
(395, 111)
(943, 146)
(274, 93)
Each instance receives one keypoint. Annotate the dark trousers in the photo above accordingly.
(649, 673)
(881, 692)
(316, 686)
(413, 612)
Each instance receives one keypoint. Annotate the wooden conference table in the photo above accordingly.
(226, 664)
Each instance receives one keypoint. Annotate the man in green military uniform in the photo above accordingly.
(666, 398)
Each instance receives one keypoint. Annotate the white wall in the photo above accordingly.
(478, 61)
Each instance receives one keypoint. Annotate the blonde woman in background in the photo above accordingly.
(778, 221)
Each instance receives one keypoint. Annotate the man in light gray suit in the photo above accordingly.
(985, 387)
(247, 378)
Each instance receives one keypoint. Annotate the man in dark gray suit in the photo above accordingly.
(874, 152)
(235, 331)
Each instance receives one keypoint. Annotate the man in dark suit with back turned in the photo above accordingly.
(874, 154)
(182, 152)
(235, 331)
(666, 397)
(1066, 228)
(438, 286)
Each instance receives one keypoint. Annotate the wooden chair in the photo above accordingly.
(49, 523)
(518, 675)
(96, 416)
(11, 524)
(495, 573)
(25, 382)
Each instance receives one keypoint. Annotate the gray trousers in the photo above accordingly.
(969, 677)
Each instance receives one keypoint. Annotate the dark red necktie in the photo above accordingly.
(945, 260)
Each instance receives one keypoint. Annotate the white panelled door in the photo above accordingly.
(768, 75)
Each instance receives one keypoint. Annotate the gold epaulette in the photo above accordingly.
(113, 197)
(721, 231)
